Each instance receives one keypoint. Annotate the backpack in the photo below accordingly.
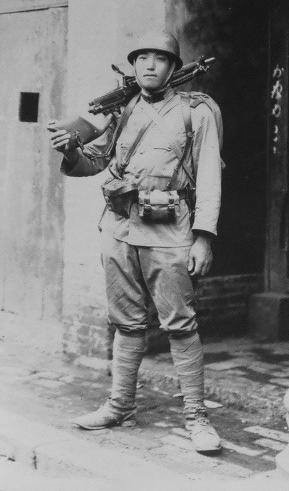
(189, 100)
(197, 98)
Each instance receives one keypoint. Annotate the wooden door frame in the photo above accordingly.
(277, 233)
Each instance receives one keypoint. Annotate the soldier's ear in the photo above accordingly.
(172, 63)
(133, 65)
(171, 71)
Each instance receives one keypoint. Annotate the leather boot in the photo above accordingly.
(120, 408)
(203, 435)
(187, 354)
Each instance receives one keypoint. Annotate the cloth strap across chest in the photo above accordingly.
(166, 130)
(157, 117)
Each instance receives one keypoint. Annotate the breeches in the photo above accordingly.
(133, 272)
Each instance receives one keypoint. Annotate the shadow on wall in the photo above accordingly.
(236, 34)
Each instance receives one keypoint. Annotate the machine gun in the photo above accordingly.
(113, 100)
(83, 131)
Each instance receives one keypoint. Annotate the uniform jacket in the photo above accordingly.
(151, 167)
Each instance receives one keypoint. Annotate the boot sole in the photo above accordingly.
(211, 451)
(126, 423)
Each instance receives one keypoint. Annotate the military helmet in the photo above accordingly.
(160, 41)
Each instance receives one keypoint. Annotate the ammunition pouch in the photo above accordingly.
(158, 206)
(119, 195)
(153, 206)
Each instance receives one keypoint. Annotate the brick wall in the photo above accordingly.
(223, 303)
(222, 308)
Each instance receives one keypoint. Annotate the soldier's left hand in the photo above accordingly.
(200, 257)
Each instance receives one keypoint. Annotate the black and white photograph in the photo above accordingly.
(144, 245)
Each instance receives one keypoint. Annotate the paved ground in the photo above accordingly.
(245, 385)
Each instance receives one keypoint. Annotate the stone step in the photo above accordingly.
(60, 454)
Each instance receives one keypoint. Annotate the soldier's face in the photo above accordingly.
(152, 68)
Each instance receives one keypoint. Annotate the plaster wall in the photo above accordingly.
(32, 59)
(50, 246)
(100, 33)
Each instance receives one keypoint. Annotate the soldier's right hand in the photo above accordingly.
(60, 139)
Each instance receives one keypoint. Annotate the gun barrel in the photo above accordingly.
(188, 67)
(209, 61)
(201, 61)
(191, 68)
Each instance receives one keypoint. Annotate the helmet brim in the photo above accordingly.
(134, 54)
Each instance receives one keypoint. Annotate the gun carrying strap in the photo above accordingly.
(121, 123)
(125, 116)
(185, 161)
(183, 156)
(166, 129)
(132, 148)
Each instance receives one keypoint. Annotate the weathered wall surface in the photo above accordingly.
(32, 59)
(50, 255)
(110, 29)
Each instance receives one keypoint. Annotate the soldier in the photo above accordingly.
(167, 144)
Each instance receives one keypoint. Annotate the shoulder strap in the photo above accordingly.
(133, 147)
(120, 125)
(158, 119)
(184, 161)
(138, 138)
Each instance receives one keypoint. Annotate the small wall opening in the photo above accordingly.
(28, 109)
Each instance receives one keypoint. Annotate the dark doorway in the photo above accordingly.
(236, 33)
